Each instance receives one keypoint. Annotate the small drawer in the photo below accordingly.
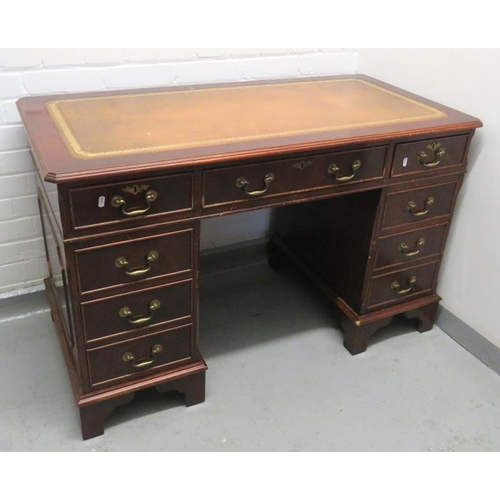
(404, 248)
(417, 205)
(402, 285)
(137, 312)
(140, 357)
(134, 261)
(130, 201)
(265, 180)
(427, 157)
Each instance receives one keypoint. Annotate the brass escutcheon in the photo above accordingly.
(302, 165)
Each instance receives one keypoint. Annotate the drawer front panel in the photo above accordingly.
(402, 285)
(140, 357)
(409, 247)
(130, 201)
(265, 180)
(426, 157)
(418, 205)
(135, 312)
(134, 261)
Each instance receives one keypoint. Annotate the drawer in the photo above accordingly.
(140, 357)
(426, 157)
(265, 180)
(137, 312)
(402, 285)
(128, 201)
(404, 248)
(417, 205)
(134, 261)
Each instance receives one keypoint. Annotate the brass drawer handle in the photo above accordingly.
(334, 169)
(122, 263)
(128, 357)
(405, 249)
(412, 207)
(126, 313)
(438, 151)
(396, 287)
(118, 201)
(242, 183)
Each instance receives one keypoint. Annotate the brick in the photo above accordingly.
(103, 56)
(64, 80)
(31, 249)
(6, 210)
(140, 76)
(141, 55)
(53, 58)
(208, 71)
(11, 86)
(176, 54)
(333, 50)
(271, 67)
(62, 57)
(272, 52)
(9, 253)
(25, 206)
(38, 226)
(21, 251)
(158, 55)
(12, 137)
(14, 186)
(20, 58)
(17, 229)
(15, 162)
(10, 112)
(243, 52)
(303, 51)
(21, 274)
(328, 63)
(203, 53)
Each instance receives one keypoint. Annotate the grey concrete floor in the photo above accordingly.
(279, 379)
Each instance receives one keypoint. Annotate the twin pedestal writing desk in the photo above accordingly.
(362, 178)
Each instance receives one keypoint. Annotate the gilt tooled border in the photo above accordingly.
(77, 149)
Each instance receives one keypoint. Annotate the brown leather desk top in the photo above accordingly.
(87, 135)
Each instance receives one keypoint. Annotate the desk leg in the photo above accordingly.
(92, 416)
(356, 337)
(193, 388)
(425, 317)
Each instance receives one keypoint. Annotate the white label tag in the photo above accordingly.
(405, 162)
(102, 201)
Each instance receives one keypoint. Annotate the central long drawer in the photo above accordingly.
(237, 185)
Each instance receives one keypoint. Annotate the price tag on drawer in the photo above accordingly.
(102, 201)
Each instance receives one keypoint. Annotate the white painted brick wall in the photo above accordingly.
(47, 71)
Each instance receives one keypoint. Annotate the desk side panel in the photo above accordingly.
(56, 258)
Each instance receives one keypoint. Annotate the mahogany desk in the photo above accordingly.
(124, 179)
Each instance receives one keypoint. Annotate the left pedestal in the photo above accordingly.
(95, 407)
